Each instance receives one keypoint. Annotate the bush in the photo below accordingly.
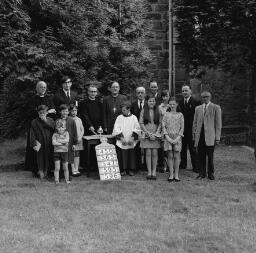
(92, 41)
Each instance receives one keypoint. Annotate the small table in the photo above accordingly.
(94, 140)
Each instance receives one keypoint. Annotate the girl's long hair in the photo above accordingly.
(146, 116)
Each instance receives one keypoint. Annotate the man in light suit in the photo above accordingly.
(206, 133)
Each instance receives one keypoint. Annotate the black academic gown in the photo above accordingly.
(91, 114)
(42, 131)
(30, 158)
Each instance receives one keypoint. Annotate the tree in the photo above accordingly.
(219, 33)
(90, 40)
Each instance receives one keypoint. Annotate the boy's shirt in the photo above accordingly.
(56, 138)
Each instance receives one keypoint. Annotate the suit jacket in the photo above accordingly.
(211, 121)
(135, 110)
(188, 112)
(61, 98)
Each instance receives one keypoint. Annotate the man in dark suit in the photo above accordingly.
(187, 107)
(138, 104)
(136, 108)
(153, 88)
(65, 95)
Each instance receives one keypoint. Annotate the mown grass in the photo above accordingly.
(133, 215)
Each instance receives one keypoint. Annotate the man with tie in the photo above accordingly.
(65, 95)
(138, 104)
(136, 108)
(187, 107)
(206, 133)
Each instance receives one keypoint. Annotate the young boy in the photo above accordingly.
(77, 148)
(60, 140)
(126, 130)
(71, 128)
(40, 140)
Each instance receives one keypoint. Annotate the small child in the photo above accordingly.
(79, 145)
(60, 140)
(126, 130)
(70, 125)
(40, 139)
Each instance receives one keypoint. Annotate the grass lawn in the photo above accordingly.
(133, 215)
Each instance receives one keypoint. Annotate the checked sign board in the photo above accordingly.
(107, 162)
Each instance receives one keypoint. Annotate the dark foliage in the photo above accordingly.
(219, 33)
(90, 40)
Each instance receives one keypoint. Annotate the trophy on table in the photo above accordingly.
(100, 132)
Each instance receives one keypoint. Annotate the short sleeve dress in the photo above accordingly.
(173, 126)
(150, 127)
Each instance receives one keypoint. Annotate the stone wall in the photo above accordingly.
(159, 45)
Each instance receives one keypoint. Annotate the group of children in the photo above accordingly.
(65, 143)
(156, 128)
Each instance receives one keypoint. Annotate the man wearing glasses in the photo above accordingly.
(65, 94)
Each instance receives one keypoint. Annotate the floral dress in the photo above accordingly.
(151, 127)
(173, 126)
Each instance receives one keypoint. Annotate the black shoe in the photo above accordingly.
(130, 173)
(200, 177)
(123, 173)
(195, 170)
(170, 179)
(153, 178)
(211, 177)
(176, 180)
(148, 177)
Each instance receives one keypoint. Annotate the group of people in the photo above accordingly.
(154, 130)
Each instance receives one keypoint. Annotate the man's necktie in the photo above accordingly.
(68, 95)
(140, 105)
(204, 109)
(186, 103)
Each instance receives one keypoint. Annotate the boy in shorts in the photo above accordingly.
(60, 140)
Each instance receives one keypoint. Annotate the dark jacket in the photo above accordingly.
(135, 110)
(61, 98)
(188, 112)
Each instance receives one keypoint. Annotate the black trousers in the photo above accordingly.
(126, 159)
(203, 152)
(187, 143)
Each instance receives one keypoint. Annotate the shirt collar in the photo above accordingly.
(187, 99)
(66, 92)
(127, 115)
